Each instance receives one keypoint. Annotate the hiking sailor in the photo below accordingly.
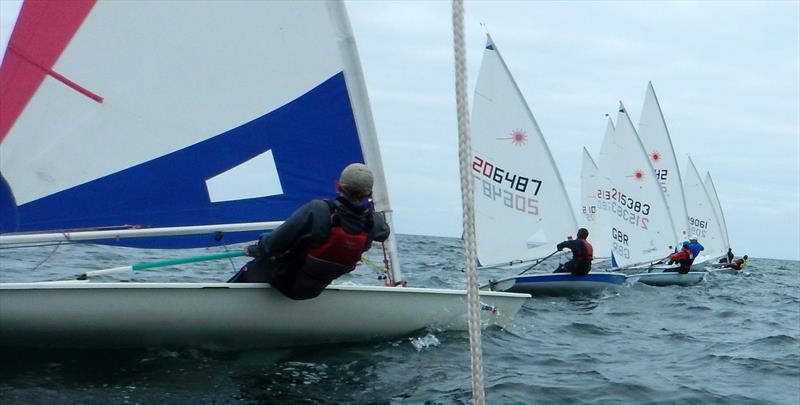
(319, 242)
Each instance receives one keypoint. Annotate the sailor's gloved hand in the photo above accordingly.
(252, 251)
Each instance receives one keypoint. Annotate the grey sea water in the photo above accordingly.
(734, 339)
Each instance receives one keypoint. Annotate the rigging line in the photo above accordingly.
(389, 274)
(55, 75)
(230, 259)
(31, 246)
(382, 273)
(47, 258)
(468, 207)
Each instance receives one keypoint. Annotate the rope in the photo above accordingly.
(387, 274)
(48, 257)
(383, 273)
(387, 271)
(465, 156)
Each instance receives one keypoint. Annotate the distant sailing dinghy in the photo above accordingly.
(717, 205)
(522, 210)
(717, 268)
(642, 229)
(210, 141)
(703, 219)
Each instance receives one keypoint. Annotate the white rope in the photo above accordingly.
(465, 156)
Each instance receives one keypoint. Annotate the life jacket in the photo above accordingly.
(340, 253)
(679, 256)
(739, 264)
(586, 254)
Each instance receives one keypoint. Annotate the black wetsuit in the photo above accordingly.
(281, 254)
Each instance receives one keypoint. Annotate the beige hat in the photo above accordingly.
(357, 179)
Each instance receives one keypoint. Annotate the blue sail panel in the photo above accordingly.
(311, 138)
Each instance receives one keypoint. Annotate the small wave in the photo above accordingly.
(776, 340)
(679, 336)
(425, 342)
(588, 329)
(728, 314)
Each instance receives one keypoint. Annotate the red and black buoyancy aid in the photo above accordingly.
(586, 254)
(679, 256)
(684, 258)
(340, 253)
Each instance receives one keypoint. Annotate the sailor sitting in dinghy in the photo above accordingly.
(582, 255)
(695, 246)
(737, 264)
(684, 257)
(320, 242)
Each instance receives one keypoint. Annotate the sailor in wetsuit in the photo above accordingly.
(582, 255)
(321, 241)
(737, 264)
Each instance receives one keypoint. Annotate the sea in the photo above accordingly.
(733, 339)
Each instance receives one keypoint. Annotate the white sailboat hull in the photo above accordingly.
(723, 270)
(223, 315)
(669, 278)
(559, 284)
(700, 263)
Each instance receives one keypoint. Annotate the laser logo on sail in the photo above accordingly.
(518, 137)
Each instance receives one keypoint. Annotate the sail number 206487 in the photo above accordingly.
(515, 182)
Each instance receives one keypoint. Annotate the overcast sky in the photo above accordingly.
(727, 74)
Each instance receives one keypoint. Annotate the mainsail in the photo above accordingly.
(521, 206)
(720, 215)
(592, 219)
(703, 220)
(658, 144)
(642, 229)
(162, 114)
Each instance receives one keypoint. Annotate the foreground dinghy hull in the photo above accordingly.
(670, 278)
(222, 315)
(559, 284)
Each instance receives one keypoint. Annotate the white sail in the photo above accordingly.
(521, 206)
(642, 229)
(702, 219)
(600, 236)
(715, 202)
(658, 144)
(589, 208)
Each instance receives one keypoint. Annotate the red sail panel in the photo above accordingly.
(43, 30)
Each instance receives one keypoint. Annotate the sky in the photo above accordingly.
(727, 74)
